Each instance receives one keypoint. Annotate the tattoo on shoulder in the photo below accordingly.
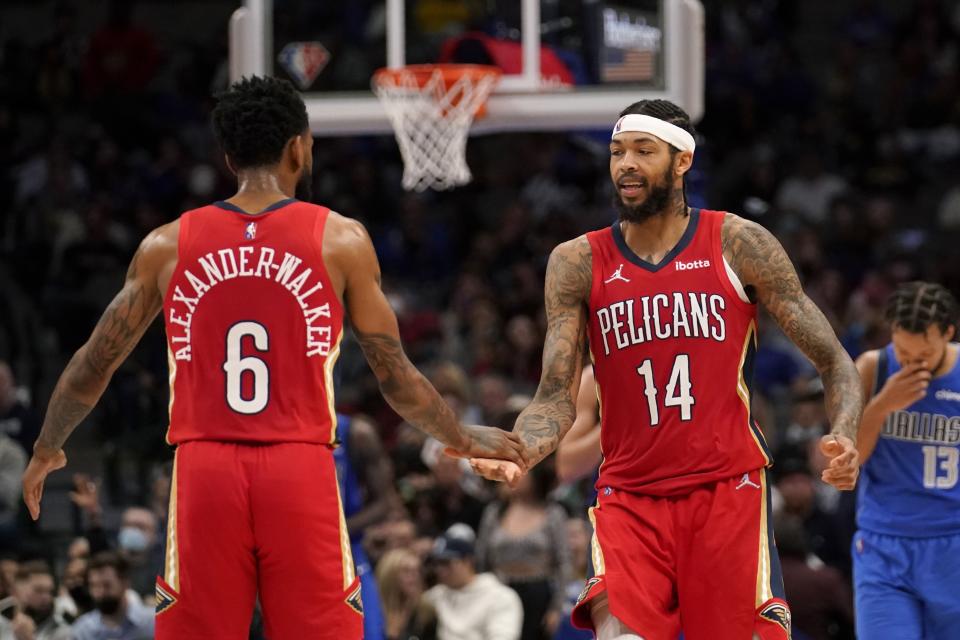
(569, 274)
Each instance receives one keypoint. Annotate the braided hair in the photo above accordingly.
(916, 306)
(255, 118)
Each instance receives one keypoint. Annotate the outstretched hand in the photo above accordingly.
(492, 443)
(38, 469)
(844, 466)
(499, 470)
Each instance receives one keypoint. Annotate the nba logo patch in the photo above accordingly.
(354, 601)
(616, 127)
(251, 231)
(777, 613)
(304, 61)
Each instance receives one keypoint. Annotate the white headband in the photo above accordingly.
(669, 133)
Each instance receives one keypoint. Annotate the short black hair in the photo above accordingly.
(254, 119)
(664, 110)
(109, 560)
(916, 306)
(32, 568)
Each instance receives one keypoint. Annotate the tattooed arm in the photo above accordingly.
(551, 414)
(769, 277)
(91, 367)
(411, 395)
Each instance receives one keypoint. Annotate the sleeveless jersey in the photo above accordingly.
(909, 485)
(253, 327)
(673, 347)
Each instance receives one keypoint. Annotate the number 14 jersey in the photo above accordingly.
(253, 327)
(673, 346)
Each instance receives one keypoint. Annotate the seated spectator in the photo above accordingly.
(13, 461)
(821, 603)
(578, 540)
(470, 606)
(797, 490)
(34, 588)
(17, 420)
(523, 541)
(407, 614)
(116, 615)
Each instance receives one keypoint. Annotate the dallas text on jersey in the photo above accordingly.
(238, 262)
(665, 317)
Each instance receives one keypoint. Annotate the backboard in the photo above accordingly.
(568, 64)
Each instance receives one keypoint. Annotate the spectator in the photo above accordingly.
(470, 606)
(34, 588)
(821, 602)
(73, 599)
(17, 420)
(797, 489)
(116, 615)
(407, 614)
(523, 541)
(578, 540)
(13, 461)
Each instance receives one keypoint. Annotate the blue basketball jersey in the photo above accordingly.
(909, 485)
(350, 491)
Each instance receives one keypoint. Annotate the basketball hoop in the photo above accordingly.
(431, 108)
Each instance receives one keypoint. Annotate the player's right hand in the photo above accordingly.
(491, 442)
(497, 470)
(905, 387)
(40, 466)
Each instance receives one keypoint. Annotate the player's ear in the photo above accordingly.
(683, 162)
(297, 152)
(230, 166)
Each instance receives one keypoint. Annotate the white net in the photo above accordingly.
(431, 112)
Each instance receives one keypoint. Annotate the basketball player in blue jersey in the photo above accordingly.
(906, 553)
(366, 489)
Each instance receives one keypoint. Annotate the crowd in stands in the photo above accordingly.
(841, 138)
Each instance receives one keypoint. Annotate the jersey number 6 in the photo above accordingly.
(236, 365)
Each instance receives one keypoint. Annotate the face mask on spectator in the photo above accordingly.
(39, 615)
(108, 605)
(132, 539)
(81, 597)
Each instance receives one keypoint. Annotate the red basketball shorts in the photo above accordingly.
(704, 562)
(257, 520)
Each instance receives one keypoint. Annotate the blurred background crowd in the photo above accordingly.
(836, 125)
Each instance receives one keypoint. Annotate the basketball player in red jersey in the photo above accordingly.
(253, 291)
(667, 297)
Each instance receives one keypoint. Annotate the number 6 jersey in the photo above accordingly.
(672, 345)
(253, 327)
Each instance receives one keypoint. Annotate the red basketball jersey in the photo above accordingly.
(673, 346)
(253, 327)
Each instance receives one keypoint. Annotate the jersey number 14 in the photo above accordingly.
(677, 392)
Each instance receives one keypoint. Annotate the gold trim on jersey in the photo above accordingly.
(349, 571)
(596, 386)
(328, 379)
(764, 590)
(743, 390)
(171, 572)
(172, 366)
(596, 551)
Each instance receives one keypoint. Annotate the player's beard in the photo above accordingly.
(304, 188)
(656, 201)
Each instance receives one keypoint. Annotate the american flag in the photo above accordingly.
(629, 65)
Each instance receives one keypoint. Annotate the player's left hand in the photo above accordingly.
(844, 460)
(41, 465)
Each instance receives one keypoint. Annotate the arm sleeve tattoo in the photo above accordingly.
(765, 269)
(550, 415)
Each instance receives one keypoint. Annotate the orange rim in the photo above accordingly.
(422, 73)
